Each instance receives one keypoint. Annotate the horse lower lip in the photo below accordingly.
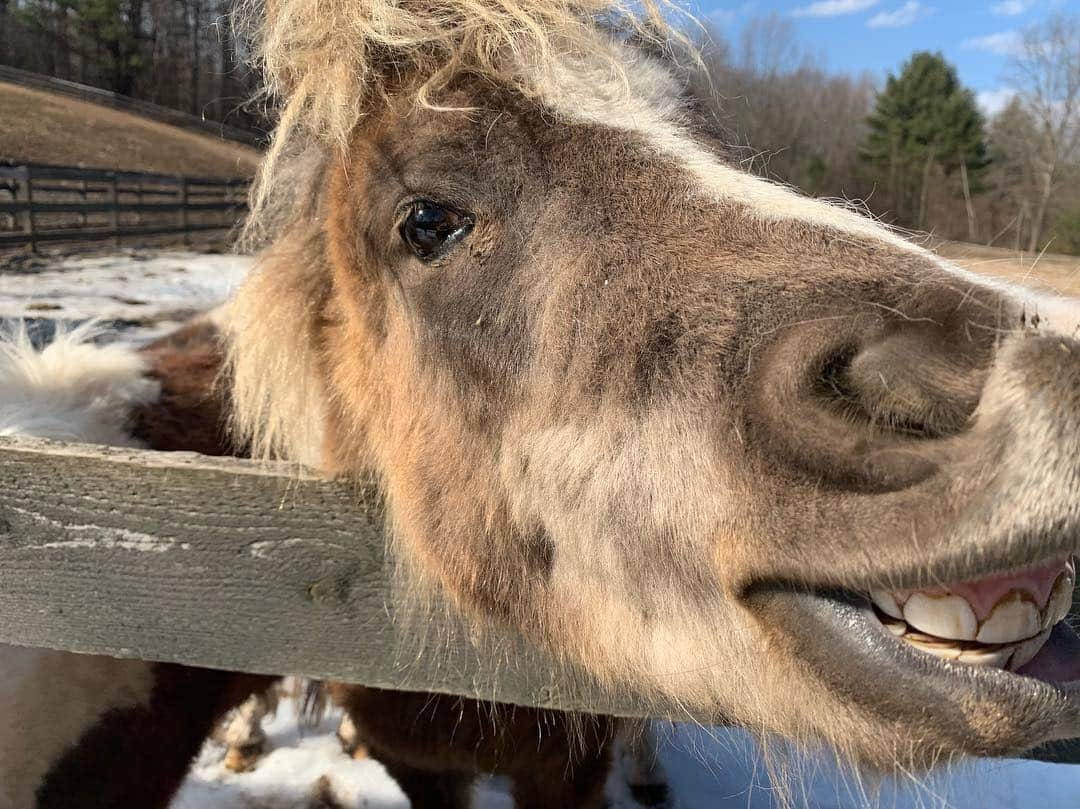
(836, 634)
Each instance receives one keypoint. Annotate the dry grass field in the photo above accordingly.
(43, 127)
(1051, 272)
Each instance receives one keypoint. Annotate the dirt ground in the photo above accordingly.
(44, 127)
(1051, 272)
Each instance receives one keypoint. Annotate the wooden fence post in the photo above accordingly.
(26, 187)
(184, 210)
(114, 209)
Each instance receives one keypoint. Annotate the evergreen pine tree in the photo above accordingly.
(923, 120)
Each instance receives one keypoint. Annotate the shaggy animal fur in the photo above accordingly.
(72, 390)
(647, 408)
(76, 714)
(330, 63)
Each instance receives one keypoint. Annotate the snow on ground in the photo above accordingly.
(706, 768)
(721, 768)
(144, 294)
(297, 758)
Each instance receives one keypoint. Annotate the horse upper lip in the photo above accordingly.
(1002, 494)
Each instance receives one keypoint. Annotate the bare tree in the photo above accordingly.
(783, 115)
(178, 53)
(1045, 71)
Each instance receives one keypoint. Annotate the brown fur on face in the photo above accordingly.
(653, 417)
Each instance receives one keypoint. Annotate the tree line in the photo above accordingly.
(915, 151)
(177, 53)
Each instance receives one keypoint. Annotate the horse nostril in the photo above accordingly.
(862, 408)
(834, 383)
(909, 383)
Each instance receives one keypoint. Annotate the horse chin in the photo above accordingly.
(839, 641)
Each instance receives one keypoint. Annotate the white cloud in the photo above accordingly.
(1011, 8)
(729, 16)
(991, 102)
(1005, 43)
(833, 8)
(912, 11)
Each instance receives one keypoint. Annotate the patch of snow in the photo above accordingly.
(149, 293)
(705, 768)
(297, 758)
(285, 778)
(721, 768)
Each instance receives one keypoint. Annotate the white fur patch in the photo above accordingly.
(71, 390)
(648, 103)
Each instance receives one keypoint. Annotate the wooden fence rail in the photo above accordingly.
(229, 564)
(46, 203)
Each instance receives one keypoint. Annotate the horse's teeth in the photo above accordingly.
(996, 657)
(886, 603)
(1060, 600)
(1028, 649)
(1013, 633)
(944, 617)
(897, 627)
(1013, 619)
(945, 651)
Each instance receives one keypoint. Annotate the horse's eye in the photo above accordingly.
(429, 228)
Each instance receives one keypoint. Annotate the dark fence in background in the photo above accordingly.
(156, 112)
(44, 203)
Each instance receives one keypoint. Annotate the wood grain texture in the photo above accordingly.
(230, 564)
(235, 565)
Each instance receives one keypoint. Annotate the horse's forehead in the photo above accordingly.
(646, 102)
(642, 112)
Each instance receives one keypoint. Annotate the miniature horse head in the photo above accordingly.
(735, 449)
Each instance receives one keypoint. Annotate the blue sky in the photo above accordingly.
(878, 35)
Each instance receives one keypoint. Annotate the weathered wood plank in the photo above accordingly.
(230, 564)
